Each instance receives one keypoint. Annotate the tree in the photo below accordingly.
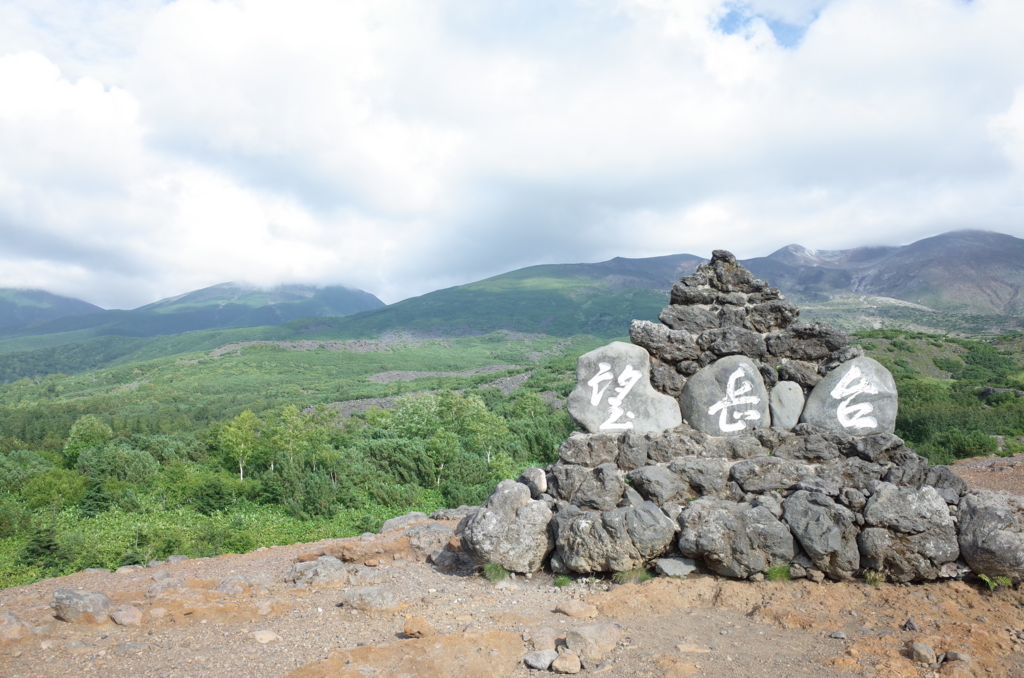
(240, 438)
(87, 432)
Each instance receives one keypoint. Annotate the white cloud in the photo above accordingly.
(401, 146)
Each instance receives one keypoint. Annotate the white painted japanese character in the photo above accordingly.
(733, 398)
(627, 380)
(854, 416)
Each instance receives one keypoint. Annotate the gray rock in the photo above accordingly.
(921, 653)
(675, 567)
(590, 449)
(852, 498)
(806, 342)
(174, 560)
(785, 403)
(323, 570)
(858, 398)
(814, 447)
(426, 538)
(371, 598)
(943, 478)
(740, 446)
(455, 513)
(450, 562)
(535, 479)
(818, 484)
(633, 450)
(909, 533)
(614, 393)
(591, 643)
(540, 660)
(727, 341)
(692, 319)
(665, 379)
(803, 373)
(509, 529)
(601, 489)
(612, 541)
(705, 477)
(909, 469)
(826, 531)
(728, 275)
(668, 345)
(726, 398)
(837, 358)
(631, 497)
(658, 484)
(850, 472)
(876, 448)
(12, 628)
(771, 316)
(992, 533)
(769, 473)
(731, 315)
(734, 540)
(681, 295)
(402, 522)
(682, 441)
(232, 585)
(769, 500)
(85, 607)
(566, 479)
(126, 615)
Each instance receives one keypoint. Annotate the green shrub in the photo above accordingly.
(20, 466)
(318, 495)
(118, 460)
(215, 539)
(995, 582)
(495, 572)
(57, 488)
(42, 549)
(562, 580)
(15, 518)
(637, 575)
(778, 573)
(87, 432)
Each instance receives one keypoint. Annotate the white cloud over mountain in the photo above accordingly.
(150, 148)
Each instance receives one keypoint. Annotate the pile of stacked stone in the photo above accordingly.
(735, 436)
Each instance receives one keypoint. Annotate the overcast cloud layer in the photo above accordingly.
(151, 148)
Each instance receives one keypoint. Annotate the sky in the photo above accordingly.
(151, 148)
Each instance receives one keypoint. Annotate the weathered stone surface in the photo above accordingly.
(613, 541)
(601, 489)
(402, 522)
(455, 513)
(323, 570)
(800, 372)
(728, 275)
(675, 567)
(851, 472)
(126, 615)
(726, 398)
(86, 607)
(535, 479)
(509, 529)
(876, 448)
(665, 378)
(429, 537)
(671, 346)
(992, 533)
(726, 341)
(682, 441)
(590, 449)
(540, 660)
(909, 469)
(705, 477)
(858, 398)
(544, 638)
(734, 540)
(371, 598)
(943, 478)
(802, 341)
(909, 533)
(814, 447)
(232, 585)
(771, 316)
(826, 531)
(921, 653)
(785, 403)
(681, 295)
(566, 480)
(12, 628)
(769, 473)
(741, 446)
(692, 319)
(658, 484)
(614, 393)
(451, 562)
(837, 358)
(592, 642)
(568, 662)
(852, 498)
(732, 316)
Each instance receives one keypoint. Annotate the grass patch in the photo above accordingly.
(562, 580)
(995, 582)
(778, 573)
(495, 572)
(874, 577)
(637, 575)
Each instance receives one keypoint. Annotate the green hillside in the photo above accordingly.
(18, 306)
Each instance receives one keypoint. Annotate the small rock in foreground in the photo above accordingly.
(576, 608)
(540, 660)
(87, 607)
(567, 662)
(264, 636)
(418, 627)
(127, 615)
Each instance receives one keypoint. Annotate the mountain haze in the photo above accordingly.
(18, 306)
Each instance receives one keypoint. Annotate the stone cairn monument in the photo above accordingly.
(734, 436)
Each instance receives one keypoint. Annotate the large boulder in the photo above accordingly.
(612, 541)
(908, 534)
(826, 530)
(86, 607)
(810, 343)
(992, 533)
(614, 393)
(858, 397)
(704, 477)
(671, 346)
(658, 484)
(734, 540)
(590, 449)
(726, 398)
(769, 473)
(509, 529)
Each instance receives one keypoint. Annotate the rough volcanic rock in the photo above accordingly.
(802, 341)
(509, 529)
(813, 447)
(803, 373)
(734, 540)
(658, 484)
(692, 319)
(826, 531)
(769, 473)
(535, 479)
(323, 570)
(671, 346)
(992, 533)
(614, 393)
(682, 441)
(909, 533)
(727, 341)
(590, 449)
(726, 398)
(612, 541)
(857, 398)
(785, 403)
(771, 316)
(86, 607)
(665, 378)
(704, 477)
(600, 489)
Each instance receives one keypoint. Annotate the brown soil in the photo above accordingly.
(700, 626)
